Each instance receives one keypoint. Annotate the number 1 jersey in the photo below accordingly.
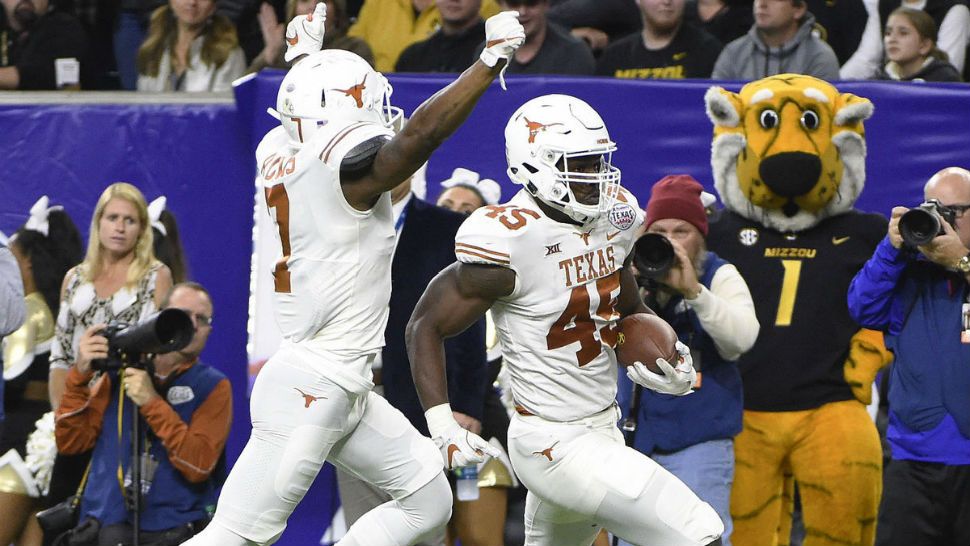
(333, 278)
(558, 326)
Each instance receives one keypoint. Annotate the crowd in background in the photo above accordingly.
(203, 45)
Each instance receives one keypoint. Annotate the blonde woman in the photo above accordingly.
(189, 48)
(119, 280)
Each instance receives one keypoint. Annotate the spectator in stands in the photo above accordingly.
(334, 36)
(840, 23)
(389, 26)
(189, 48)
(482, 522)
(548, 49)
(726, 20)
(917, 297)
(166, 241)
(910, 42)
(709, 305)
(119, 279)
(668, 47)
(33, 39)
(129, 33)
(952, 18)
(780, 41)
(598, 22)
(187, 407)
(425, 244)
(452, 48)
(465, 192)
(46, 247)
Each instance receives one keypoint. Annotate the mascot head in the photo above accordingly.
(789, 150)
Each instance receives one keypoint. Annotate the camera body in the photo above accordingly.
(130, 344)
(920, 225)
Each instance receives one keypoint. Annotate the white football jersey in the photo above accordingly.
(333, 278)
(558, 326)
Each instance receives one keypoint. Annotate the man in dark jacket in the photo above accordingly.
(919, 300)
(37, 45)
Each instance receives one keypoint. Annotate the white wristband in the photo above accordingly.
(439, 418)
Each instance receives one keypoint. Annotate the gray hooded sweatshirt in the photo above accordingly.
(748, 58)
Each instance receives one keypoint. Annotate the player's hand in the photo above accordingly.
(91, 346)
(895, 238)
(459, 447)
(304, 34)
(676, 380)
(503, 35)
(468, 422)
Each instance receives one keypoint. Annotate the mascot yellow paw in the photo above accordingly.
(867, 355)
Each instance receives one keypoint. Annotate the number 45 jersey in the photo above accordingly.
(332, 282)
(558, 326)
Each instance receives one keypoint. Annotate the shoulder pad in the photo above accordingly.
(489, 235)
(358, 160)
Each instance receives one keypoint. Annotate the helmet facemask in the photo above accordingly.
(584, 184)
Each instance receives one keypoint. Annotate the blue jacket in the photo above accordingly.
(669, 423)
(172, 500)
(919, 307)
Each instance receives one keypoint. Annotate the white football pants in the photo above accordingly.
(582, 477)
(300, 419)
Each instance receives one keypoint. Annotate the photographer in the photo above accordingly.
(187, 407)
(709, 305)
(919, 298)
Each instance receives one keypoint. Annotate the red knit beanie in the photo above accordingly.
(677, 196)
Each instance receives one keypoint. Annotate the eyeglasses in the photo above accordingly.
(520, 3)
(958, 209)
(202, 320)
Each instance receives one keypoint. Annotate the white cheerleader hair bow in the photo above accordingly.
(38, 216)
(155, 209)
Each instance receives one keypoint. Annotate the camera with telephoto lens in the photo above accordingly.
(163, 332)
(921, 225)
(653, 256)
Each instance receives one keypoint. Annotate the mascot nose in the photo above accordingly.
(790, 174)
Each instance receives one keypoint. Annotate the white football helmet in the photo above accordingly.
(542, 137)
(332, 85)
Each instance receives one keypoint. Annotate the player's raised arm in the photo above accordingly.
(453, 301)
(441, 115)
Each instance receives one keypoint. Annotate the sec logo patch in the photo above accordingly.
(622, 216)
(748, 236)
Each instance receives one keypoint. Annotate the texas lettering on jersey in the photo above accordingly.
(558, 327)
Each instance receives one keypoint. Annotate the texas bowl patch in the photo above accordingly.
(179, 395)
(622, 216)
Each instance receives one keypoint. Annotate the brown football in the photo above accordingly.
(645, 338)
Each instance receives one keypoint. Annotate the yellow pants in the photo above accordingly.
(833, 452)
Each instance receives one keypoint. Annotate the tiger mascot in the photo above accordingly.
(788, 161)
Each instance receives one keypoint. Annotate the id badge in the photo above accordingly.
(965, 316)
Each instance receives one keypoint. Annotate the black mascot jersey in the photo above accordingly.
(796, 363)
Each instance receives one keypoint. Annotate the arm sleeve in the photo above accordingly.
(77, 422)
(193, 448)
(62, 348)
(872, 290)
(234, 67)
(467, 372)
(61, 37)
(722, 67)
(955, 35)
(11, 293)
(867, 59)
(825, 65)
(726, 312)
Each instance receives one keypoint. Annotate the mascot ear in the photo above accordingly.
(723, 107)
(852, 110)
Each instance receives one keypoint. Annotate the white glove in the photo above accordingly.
(458, 446)
(304, 34)
(676, 380)
(503, 35)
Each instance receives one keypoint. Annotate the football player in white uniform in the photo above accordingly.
(550, 265)
(326, 172)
